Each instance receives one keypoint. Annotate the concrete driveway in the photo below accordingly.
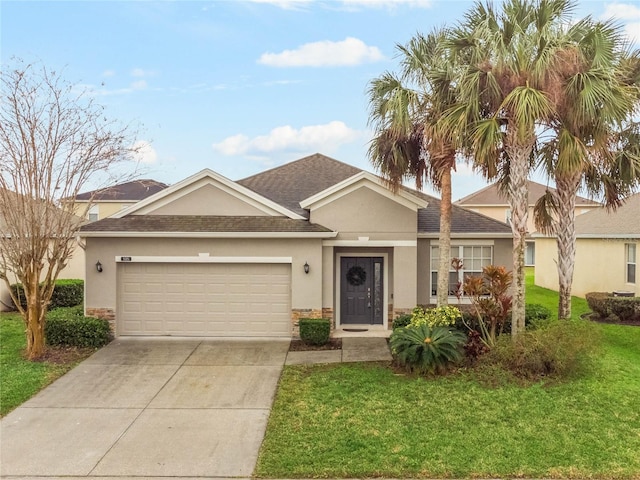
(149, 407)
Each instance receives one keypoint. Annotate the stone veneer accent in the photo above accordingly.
(298, 313)
(104, 313)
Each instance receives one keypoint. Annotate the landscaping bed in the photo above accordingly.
(300, 346)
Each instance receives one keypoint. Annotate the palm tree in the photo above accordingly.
(596, 92)
(508, 57)
(409, 141)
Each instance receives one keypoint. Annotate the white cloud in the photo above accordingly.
(139, 72)
(108, 73)
(350, 51)
(621, 11)
(145, 152)
(139, 85)
(350, 4)
(627, 13)
(286, 138)
(285, 4)
(388, 3)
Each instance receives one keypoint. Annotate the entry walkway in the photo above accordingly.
(354, 349)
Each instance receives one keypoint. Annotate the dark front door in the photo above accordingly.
(361, 290)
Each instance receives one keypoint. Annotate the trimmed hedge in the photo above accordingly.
(315, 331)
(69, 327)
(625, 309)
(402, 321)
(66, 293)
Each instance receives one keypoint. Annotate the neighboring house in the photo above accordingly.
(607, 252)
(490, 202)
(107, 201)
(74, 268)
(312, 238)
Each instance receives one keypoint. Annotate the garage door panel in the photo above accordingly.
(204, 299)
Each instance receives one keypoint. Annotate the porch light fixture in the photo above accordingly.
(99, 266)
(306, 267)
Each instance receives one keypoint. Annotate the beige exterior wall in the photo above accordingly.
(74, 269)
(367, 213)
(105, 209)
(306, 288)
(207, 200)
(599, 267)
(499, 212)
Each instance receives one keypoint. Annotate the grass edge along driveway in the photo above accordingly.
(362, 420)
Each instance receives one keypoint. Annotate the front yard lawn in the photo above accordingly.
(20, 379)
(363, 420)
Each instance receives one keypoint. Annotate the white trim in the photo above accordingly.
(208, 177)
(456, 235)
(385, 284)
(357, 181)
(468, 243)
(208, 234)
(370, 243)
(199, 259)
(609, 236)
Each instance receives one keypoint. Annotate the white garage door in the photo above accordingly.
(204, 299)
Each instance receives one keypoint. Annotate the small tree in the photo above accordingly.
(52, 141)
(490, 298)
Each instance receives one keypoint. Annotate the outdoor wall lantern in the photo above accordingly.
(306, 267)
(99, 266)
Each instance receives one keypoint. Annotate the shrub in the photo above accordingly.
(402, 321)
(315, 331)
(597, 302)
(68, 327)
(445, 316)
(559, 349)
(535, 316)
(426, 349)
(66, 293)
(624, 309)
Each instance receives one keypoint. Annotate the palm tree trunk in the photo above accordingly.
(444, 240)
(519, 152)
(567, 188)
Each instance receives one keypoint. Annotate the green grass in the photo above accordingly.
(549, 298)
(20, 379)
(363, 420)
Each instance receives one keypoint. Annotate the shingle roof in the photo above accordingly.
(202, 223)
(462, 220)
(293, 182)
(619, 223)
(130, 191)
(490, 195)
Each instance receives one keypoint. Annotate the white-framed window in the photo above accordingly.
(474, 259)
(630, 261)
(94, 213)
(507, 216)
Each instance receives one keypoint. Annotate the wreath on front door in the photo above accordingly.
(356, 276)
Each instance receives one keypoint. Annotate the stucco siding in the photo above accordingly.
(306, 288)
(206, 200)
(600, 265)
(364, 212)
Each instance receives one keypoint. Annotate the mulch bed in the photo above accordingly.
(300, 346)
(597, 318)
(64, 355)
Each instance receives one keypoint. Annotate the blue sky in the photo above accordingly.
(238, 86)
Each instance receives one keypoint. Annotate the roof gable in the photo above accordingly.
(362, 180)
(204, 179)
(491, 196)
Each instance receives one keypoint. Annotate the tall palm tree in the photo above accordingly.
(409, 141)
(591, 141)
(508, 57)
